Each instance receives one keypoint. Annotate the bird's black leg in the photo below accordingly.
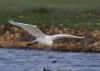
(31, 44)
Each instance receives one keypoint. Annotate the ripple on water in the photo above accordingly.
(33, 60)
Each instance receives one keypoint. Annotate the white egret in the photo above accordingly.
(40, 36)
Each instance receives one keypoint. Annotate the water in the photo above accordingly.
(34, 60)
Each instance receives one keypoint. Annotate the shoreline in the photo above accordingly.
(15, 37)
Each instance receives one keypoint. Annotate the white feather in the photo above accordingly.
(32, 29)
(57, 36)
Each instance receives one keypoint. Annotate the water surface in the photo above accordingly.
(35, 60)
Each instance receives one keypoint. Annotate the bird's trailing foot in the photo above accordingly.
(31, 44)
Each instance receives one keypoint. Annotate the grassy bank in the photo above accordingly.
(77, 14)
(78, 17)
(15, 37)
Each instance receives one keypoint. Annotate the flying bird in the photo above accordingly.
(40, 36)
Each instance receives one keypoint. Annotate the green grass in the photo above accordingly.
(8, 4)
(81, 14)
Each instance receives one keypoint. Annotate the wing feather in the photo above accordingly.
(31, 29)
(57, 36)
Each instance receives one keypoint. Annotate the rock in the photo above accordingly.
(54, 61)
(45, 69)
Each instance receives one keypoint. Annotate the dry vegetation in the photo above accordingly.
(18, 38)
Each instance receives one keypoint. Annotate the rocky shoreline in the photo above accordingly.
(14, 37)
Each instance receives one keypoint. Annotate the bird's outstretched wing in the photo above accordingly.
(57, 36)
(31, 29)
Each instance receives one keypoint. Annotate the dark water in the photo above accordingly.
(33, 60)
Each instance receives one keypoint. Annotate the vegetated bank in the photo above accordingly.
(76, 18)
(15, 37)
